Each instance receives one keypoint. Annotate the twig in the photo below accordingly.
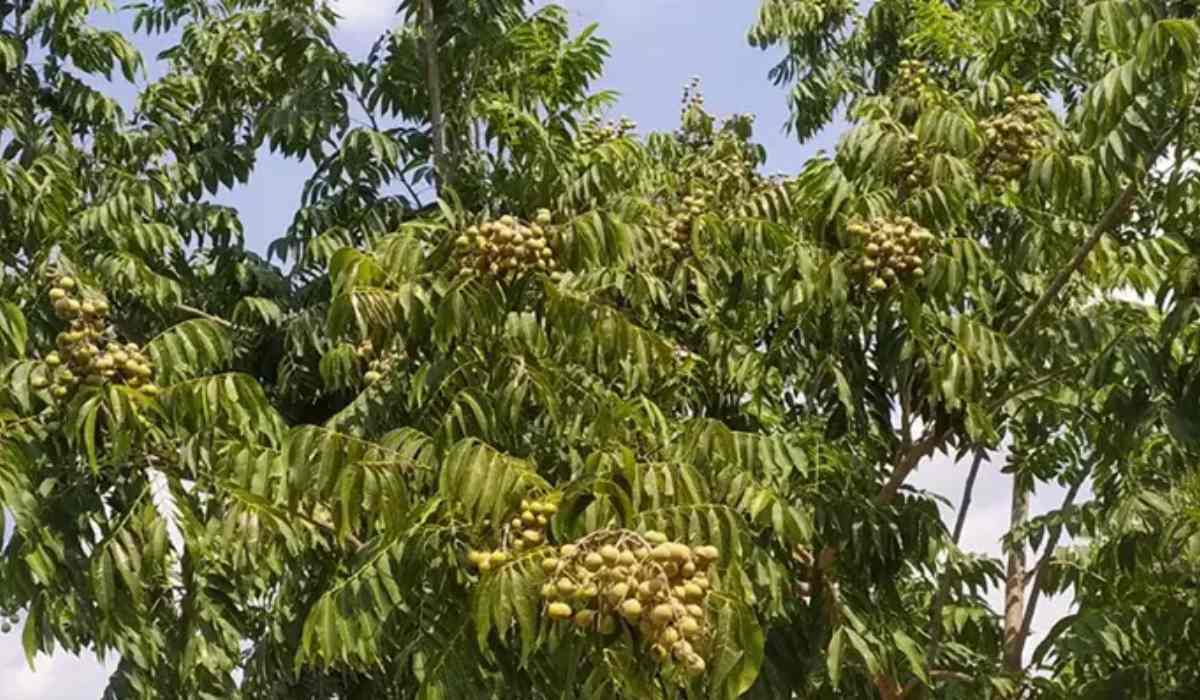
(939, 599)
(1044, 562)
(204, 314)
(1112, 216)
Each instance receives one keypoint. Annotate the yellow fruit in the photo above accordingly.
(57, 293)
(372, 376)
(687, 570)
(67, 283)
(681, 553)
(568, 550)
(532, 536)
(585, 618)
(695, 611)
(566, 586)
(693, 593)
(682, 649)
(150, 390)
(688, 627)
(593, 561)
(53, 359)
(610, 554)
(528, 517)
(499, 558)
(549, 565)
(617, 592)
(475, 557)
(663, 553)
(549, 592)
(662, 614)
(631, 609)
(559, 611)
(669, 636)
(695, 664)
(39, 383)
(655, 537)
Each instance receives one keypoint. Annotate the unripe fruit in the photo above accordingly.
(688, 627)
(655, 537)
(585, 618)
(662, 614)
(53, 359)
(566, 586)
(610, 554)
(631, 610)
(568, 550)
(57, 293)
(532, 536)
(499, 558)
(549, 565)
(662, 553)
(475, 557)
(593, 561)
(372, 376)
(559, 611)
(39, 383)
(694, 610)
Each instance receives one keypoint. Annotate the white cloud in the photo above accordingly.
(58, 677)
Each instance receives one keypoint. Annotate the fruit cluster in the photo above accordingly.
(378, 365)
(1013, 138)
(892, 249)
(656, 586)
(508, 248)
(913, 169)
(88, 351)
(913, 79)
(682, 215)
(527, 529)
(595, 132)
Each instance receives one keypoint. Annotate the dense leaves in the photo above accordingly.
(640, 331)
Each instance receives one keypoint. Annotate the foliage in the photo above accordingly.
(298, 505)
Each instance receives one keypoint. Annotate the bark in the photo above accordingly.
(434, 79)
(1014, 584)
(943, 590)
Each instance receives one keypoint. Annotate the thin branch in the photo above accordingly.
(1112, 216)
(204, 314)
(1044, 562)
(907, 461)
(939, 599)
(968, 489)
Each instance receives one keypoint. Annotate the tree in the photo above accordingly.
(614, 416)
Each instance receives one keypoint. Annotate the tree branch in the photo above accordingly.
(1111, 217)
(434, 79)
(1044, 563)
(204, 314)
(907, 461)
(939, 599)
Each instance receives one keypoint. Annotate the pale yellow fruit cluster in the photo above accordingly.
(508, 248)
(1012, 139)
(526, 529)
(655, 586)
(88, 351)
(594, 132)
(913, 79)
(891, 250)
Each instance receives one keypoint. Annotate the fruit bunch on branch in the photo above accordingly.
(508, 248)
(891, 250)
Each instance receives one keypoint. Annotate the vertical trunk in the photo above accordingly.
(1014, 585)
(434, 79)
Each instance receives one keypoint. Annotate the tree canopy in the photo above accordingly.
(614, 415)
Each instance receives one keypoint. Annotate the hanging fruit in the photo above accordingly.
(891, 251)
(89, 352)
(1013, 138)
(507, 248)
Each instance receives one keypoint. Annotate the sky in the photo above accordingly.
(657, 46)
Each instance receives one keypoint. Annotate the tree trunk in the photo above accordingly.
(434, 79)
(1014, 585)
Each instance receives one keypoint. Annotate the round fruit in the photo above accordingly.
(57, 293)
(593, 561)
(566, 586)
(475, 557)
(568, 550)
(499, 558)
(532, 536)
(655, 537)
(53, 359)
(39, 383)
(663, 553)
(559, 611)
(372, 376)
(585, 618)
(688, 627)
(662, 614)
(693, 593)
(549, 565)
(695, 611)
(610, 554)
(631, 609)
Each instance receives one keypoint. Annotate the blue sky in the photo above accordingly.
(657, 45)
